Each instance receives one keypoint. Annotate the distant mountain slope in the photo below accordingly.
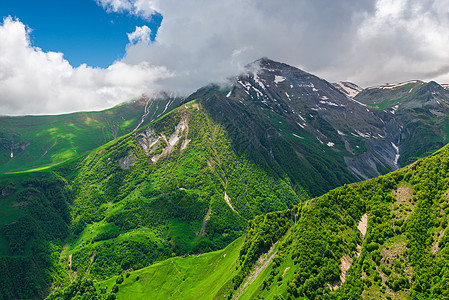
(35, 141)
(332, 132)
(298, 124)
(420, 111)
(383, 96)
(385, 238)
(348, 88)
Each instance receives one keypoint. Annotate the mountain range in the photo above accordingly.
(103, 204)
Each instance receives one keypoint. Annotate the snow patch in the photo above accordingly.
(298, 135)
(330, 144)
(361, 134)
(330, 103)
(278, 79)
(257, 80)
(229, 94)
(350, 90)
(394, 108)
(301, 117)
(310, 85)
(146, 111)
(259, 93)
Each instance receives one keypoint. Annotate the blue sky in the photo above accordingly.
(93, 54)
(81, 29)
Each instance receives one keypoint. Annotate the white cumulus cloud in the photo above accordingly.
(140, 35)
(36, 82)
(141, 8)
(368, 42)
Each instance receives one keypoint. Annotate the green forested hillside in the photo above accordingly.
(175, 187)
(117, 222)
(384, 238)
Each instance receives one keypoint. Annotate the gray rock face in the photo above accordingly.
(147, 139)
(126, 162)
(325, 112)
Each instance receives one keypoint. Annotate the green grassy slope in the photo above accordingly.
(193, 277)
(31, 141)
(387, 96)
(175, 187)
(321, 250)
(175, 203)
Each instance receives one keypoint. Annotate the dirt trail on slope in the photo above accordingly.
(228, 201)
(263, 261)
(206, 219)
(71, 273)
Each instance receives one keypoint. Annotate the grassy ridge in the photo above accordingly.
(34, 141)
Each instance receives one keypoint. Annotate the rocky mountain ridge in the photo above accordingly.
(344, 117)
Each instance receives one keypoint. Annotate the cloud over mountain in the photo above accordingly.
(367, 42)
